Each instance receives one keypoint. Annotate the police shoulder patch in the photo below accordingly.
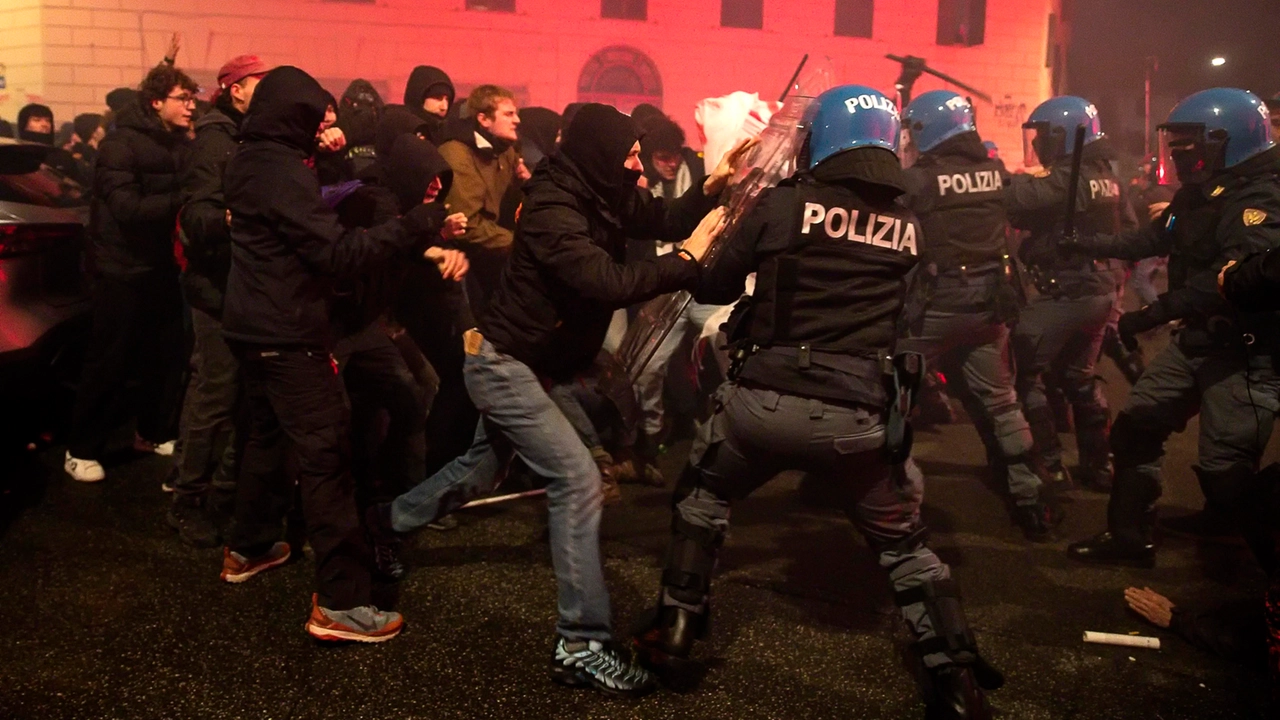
(1253, 216)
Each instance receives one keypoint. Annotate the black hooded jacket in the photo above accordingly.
(136, 195)
(421, 81)
(566, 274)
(206, 238)
(401, 182)
(287, 246)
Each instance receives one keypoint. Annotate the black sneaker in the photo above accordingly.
(601, 666)
(192, 521)
(956, 695)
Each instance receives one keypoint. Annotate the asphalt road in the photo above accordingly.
(109, 616)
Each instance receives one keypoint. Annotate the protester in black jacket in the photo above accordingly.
(287, 250)
(204, 486)
(382, 366)
(429, 94)
(137, 322)
(547, 321)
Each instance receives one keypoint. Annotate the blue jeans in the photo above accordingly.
(510, 399)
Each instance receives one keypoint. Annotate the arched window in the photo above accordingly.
(620, 76)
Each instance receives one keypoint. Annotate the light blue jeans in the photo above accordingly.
(512, 401)
(650, 385)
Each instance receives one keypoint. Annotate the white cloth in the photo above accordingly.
(726, 120)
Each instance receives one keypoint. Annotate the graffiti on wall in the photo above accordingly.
(1010, 113)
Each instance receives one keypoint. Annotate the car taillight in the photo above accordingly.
(28, 239)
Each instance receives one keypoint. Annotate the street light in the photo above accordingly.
(1218, 62)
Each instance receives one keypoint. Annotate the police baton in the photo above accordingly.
(1073, 189)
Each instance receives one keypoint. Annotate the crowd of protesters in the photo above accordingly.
(282, 285)
(295, 281)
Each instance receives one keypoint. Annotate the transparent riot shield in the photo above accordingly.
(770, 162)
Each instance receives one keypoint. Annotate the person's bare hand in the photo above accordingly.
(1156, 608)
(1222, 277)
(452, 264)
(1155, 210)
(175, 44)
(522, 171)
(643, 183)
(228, 217)
(729, 165)
(706, 233)
(331, 140)
(455, 225)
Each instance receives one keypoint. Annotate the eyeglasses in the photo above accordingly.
(185, 99)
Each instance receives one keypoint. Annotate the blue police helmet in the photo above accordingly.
(937, 116)
(1233, 124)
(1050, 132)
(848, 117)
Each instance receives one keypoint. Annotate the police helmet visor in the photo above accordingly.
(1042, 144)
(1186, 155)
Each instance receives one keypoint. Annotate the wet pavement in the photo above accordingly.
(109, 616)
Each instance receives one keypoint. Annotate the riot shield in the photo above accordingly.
(770, 162)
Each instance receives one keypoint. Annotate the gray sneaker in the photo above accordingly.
(365, 624)
(602, 666)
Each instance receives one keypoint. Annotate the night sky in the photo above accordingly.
(1110, 39)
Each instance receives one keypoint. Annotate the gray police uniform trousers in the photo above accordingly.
(757, 433)
(1236, 392)
(1063, 336)
(972, 350)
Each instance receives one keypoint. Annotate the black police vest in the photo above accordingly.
(825, 310)
(1071, 275)
(965, 220)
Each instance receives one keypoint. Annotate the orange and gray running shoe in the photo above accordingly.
(365, 624)
(237, 568)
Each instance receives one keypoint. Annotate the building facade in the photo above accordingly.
(69, 53)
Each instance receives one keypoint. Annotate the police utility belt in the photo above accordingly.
(900, 376)
(1076, 282)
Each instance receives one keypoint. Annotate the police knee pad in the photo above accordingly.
(905, 545)
(691, 559)
(952, 635)
(1136, 441)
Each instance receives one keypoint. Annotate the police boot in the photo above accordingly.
(1130, 520)
(1092, 426)
(670, 633)
(955, 695)
(953, 686)
(1059, 408)
(1045, 434)
(1039, 519)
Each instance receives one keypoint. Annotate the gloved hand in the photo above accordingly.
(1132, 323)
(424, 221)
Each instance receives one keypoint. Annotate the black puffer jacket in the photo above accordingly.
(136, 195)
(206, 239)
(567, 275)
(287, 246)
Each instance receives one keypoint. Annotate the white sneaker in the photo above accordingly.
(83, 470)
(165, 448)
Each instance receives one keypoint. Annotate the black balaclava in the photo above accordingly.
(538, 129)
(409, 168)
(287, 108)
(597, 142)
(35, 110)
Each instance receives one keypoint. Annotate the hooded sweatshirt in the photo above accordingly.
(426, 81)
(26, 113)
(567, 273)
(538, 130)
(287, 245)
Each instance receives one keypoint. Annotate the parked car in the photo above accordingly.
(44, 293)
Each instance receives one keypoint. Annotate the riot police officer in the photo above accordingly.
(1061, 330)
(832, 248)
(966, 280)
(1220, 363)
